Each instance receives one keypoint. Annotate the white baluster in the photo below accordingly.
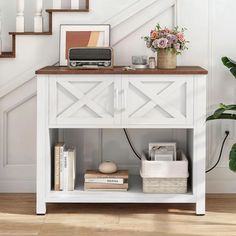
(75, 4)
(0, 32)
(38, 18)
(20, 20)
(56, 4)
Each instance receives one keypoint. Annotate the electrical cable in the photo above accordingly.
(221, 151)
(212, 168)
(131, 145)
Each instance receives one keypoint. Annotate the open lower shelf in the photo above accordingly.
(133, 195)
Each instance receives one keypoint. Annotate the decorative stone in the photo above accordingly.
(107, 167)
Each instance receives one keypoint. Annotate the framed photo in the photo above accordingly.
(162, 151)
(72, 36)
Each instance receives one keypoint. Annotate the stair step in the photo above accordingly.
(30, 33)
(7, 55)
(67, 10)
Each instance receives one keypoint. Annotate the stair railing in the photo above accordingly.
(38, 18)
(56, 4)
(20, 19)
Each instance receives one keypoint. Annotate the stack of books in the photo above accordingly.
(64, 167)
(94, 180)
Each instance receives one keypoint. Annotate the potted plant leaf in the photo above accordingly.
(227, 112)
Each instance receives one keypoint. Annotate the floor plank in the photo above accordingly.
(17, 218)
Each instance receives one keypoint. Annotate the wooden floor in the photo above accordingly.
(17, 218)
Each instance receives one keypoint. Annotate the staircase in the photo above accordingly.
(12, 54)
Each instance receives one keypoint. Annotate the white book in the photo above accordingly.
(69, 169)
(65, 175)
(61, 167)
(104, 181)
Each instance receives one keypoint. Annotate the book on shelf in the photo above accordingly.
(120, 174)
(107, 189)
(105, 186)
(64, 167)
(58, 155)
(94, 180)
(69, 169)
(105, 181)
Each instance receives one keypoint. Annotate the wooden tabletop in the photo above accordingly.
(180, 70)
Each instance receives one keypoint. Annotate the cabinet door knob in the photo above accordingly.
(124, 107)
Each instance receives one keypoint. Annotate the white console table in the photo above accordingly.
(114, 98)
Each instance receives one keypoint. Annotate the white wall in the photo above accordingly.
(210, 31)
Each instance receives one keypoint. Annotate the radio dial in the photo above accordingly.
(107, 64)
(73, 64)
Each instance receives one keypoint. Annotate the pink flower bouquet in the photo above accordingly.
(164, 38)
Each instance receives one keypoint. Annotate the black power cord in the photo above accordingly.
(221, 151)
(131, 145)
(212, 168)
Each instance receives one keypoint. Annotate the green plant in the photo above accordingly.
(227, 112)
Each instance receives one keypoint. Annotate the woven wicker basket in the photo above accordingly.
(165, 185)
(165, 176)
(166, 59)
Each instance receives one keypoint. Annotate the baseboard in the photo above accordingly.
(221, 186)
(14, 186)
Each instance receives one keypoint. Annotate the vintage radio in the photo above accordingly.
(90, 58)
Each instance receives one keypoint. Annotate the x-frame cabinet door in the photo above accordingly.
(84, 100)
(157, 100)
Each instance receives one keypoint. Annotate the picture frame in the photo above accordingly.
(170, 148)
(82, 35)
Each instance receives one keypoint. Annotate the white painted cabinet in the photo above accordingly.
(121, 101)
(118, 99)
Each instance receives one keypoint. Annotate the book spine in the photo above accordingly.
(65, 182)
(57, 168)
(96, 174)
(105, 186)
(74, 168)
(61, 168)
(71, 174)
(111, 190)
(105, 181)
